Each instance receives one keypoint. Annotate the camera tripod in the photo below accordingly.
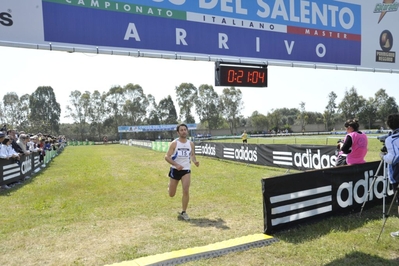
(385, 180)
(389, 210)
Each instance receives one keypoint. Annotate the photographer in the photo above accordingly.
(354, 147)
(391, 156)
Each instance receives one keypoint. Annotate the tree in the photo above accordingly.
(207, 107)
(231, 104)
(351, 105)
(153, 117)
(45, 110)
(330, 111)
(259, 121)
(11, 109)
(275, 119)
(79, 109)
(24, 112)
(153, 114)
(186, 95)
(114, 104)
(303, 116)
(98, 111)
(167, 111)
(288, 115)
(135, 107)
(385, 104)
(368, 113)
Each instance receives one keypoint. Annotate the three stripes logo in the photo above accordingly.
(198, 149)
(11, 171)
(283, 158)
(302, 204)
(36, 163)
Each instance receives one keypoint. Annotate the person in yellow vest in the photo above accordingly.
(244, 137)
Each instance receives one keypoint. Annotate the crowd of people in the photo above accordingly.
(14, 144)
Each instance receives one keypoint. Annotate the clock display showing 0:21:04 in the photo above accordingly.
(243, 76)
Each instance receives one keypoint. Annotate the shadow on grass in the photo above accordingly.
(358, 258)
(338, 223)
(204, 222)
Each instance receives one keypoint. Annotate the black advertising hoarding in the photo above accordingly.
(12, 171)
(299, 198)
(299, 157)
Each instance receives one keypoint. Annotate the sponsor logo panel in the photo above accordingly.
(308, 160)
(10, 171)
(243, 154)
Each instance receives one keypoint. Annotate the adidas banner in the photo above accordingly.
(14, 170)
(299, 157)
(298, 198)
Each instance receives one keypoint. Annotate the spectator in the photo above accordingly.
(355, 143)
(8, 152)
(22, 143)
(2, 147)
(47, 145)
(13, 136)
(33, 144)
(42, 150)
(391, 157)
(2, 151)
(244, 137)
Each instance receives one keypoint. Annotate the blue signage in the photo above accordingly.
(308, 31)
(153, 128)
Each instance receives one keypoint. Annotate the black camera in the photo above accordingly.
(382, 138)
(384, 149)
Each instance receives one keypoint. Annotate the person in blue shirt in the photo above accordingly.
(391, 156)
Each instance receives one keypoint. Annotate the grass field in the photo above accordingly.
(97, 205)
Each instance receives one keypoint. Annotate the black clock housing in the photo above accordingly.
(240, 75)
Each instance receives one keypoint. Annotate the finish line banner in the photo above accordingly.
(299, 198)
(298, 157)
(204, 27)
(356, 34)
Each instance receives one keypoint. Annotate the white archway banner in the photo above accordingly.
(359, 35)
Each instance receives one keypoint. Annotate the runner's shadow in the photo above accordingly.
(205, 222)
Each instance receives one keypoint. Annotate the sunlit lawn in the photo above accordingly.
(97, 205)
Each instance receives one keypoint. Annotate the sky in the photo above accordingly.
(24, 70)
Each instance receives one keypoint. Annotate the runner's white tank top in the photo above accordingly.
(182, 154)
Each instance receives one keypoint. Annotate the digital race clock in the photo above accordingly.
(240, 75)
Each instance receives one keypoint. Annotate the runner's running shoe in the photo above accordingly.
(184, 216)
(395, 234)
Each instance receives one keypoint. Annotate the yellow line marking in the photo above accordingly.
(190, 252)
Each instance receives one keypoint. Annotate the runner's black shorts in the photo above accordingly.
(177, 175)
